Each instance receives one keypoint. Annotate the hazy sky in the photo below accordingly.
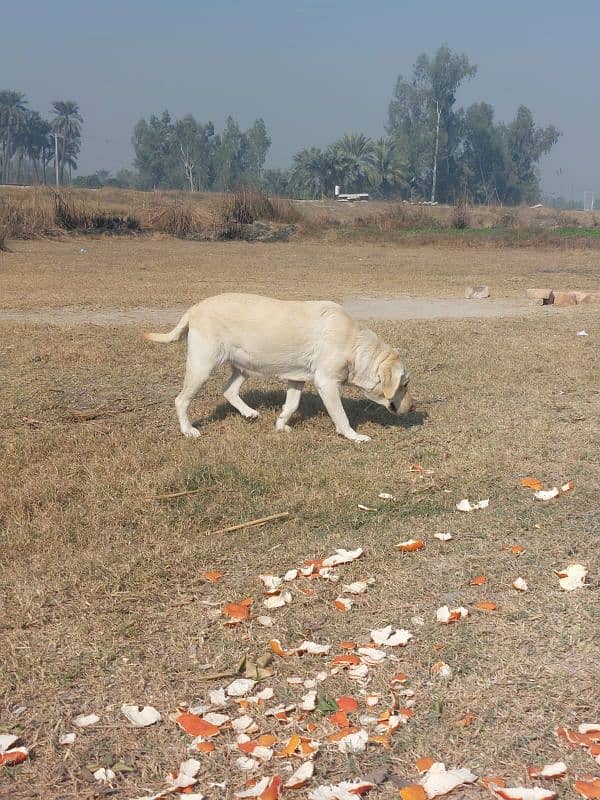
(312, 70)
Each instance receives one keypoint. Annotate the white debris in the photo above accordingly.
(85, 720)
(240, 687)
(466, 505)
(546, 494)
(342, 556)
(141, 717)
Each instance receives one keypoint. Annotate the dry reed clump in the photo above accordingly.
(26, 217)
(508, 218)
(247, 205)
(47, 212)
(182, 220)
(404, 217)
(460, 217)
(228, 218)
(71, 215)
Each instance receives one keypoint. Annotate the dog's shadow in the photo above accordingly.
(359, 411)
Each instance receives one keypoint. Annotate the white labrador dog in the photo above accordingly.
(292, 341)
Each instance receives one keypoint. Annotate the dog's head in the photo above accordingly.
(392, 388)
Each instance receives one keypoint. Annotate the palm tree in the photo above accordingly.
(311, 172)
(12, 114)
(32, 137)
(354, 156)
(38, 141)
(387, 168)
(66, 125)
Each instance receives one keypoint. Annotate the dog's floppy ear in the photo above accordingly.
(389, 377)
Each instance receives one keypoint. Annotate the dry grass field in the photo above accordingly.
(102, 590)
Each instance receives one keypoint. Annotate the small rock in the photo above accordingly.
(477, 292)
(564, 298)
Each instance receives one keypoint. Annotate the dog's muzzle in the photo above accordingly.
(406, 405)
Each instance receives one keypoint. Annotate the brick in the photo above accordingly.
(580, 297)
(540, 294)
(591, 297)
(564, 298)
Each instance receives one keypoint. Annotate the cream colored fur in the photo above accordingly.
(292, 341)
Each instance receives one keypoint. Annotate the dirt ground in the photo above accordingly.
(103, 596)
(154, 272)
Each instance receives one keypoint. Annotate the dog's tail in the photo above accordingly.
(174, 335)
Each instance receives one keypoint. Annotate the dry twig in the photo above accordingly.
(252, 523)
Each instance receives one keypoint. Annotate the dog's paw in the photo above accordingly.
(359, 437)
(252, 414)
(193, 433)
(283, 428)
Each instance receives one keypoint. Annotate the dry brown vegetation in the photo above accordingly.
(101, 586)
(251, 214)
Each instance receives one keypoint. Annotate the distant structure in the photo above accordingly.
(588, 201)
(349, 198)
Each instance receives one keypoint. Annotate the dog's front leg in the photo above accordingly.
(329, 390)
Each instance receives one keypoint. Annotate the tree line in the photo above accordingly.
(432, 150)
(29, 144)
(187, 154)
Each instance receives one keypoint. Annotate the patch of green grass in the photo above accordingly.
(579, 232)
(208, 475)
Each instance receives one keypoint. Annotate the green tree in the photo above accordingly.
(66, 126)
(13, 112)
(422, 111)
(526, 144)
(484, 157)
(257, 147)
(155, 154)
(409, 128)
(387, 170)
(230, 158)
(195, 143)
(313, 172)
(36, 140)
(353, 158)
(276, 181)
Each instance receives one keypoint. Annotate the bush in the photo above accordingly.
(72, 216)
(246, 205)
(508, 219)
(183, 221)
(459, 216)
(26, 217)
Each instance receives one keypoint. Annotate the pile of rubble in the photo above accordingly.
(547, 297)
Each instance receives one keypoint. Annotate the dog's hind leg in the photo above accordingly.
(292, 401)
(231, 393)
(201, 360)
